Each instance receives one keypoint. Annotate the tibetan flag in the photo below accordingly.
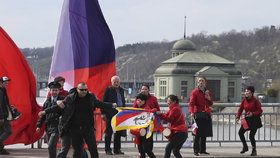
(133, 118)
(84, 50)
(21, 91)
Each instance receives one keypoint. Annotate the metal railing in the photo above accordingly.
(225, 130)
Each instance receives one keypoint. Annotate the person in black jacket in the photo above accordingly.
(5, 115)
(51, 119)
(113, 94)
(66, 136)
(78, 119)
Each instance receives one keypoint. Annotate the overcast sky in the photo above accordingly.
(34, 23)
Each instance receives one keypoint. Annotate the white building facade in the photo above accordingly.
(177, 75)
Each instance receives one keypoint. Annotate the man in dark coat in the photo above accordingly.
(113, 94)
(79, 121)
(5, 115)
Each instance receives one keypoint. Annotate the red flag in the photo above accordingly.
(21, 91)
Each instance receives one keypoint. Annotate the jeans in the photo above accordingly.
(65, 145)
(52, 141)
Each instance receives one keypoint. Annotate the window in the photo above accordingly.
(231, 89)
(162, 88)
(184, 89)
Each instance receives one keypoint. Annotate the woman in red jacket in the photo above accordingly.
(152, 105)
(253, 111)
(144, 145)
(199, 108)
(151, 102)
(178, 127)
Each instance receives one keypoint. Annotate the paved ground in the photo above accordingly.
(131, 152)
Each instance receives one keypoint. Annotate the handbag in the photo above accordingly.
(254, 122)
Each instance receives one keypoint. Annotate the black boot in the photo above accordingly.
(254, 152)
(244, 149)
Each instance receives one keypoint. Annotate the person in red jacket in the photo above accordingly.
(178, 127)
(199, 108)
(150, 104)
(253, 109)
(144, 145)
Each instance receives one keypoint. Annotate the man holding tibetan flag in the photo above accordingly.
(84, 50)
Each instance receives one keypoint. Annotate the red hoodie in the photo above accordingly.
(176, 118)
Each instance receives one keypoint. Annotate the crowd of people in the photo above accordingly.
(69, 116)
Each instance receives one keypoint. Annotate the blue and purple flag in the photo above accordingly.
(84, 50)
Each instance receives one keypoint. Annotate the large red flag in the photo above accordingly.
(21, 91)
(84, 49)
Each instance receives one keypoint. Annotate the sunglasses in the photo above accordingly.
(83, 89)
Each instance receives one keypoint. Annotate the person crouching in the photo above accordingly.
(178, 127)
(144, 145)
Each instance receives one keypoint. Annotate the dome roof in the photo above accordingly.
(184, 44)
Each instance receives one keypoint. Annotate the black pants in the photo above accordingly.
(146, 146)
(175, 144)
(78, 136)
(251, 137)
(199, 144)
(108, 137)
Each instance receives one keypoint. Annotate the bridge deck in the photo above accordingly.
(159, 152)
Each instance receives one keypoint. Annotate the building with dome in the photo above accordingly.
(177, 74)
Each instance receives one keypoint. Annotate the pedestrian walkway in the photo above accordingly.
(131, 152)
